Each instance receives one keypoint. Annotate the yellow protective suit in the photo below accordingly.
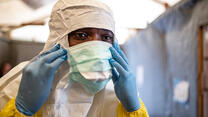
(11, 111)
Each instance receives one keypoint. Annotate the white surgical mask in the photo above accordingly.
(89, 65)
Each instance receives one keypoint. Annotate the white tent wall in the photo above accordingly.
(167, 50)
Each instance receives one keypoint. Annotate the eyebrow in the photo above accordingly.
(89, 30)
(107, 31)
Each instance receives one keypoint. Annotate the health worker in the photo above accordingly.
(81, 71)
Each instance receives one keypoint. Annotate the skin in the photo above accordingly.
(6, 68)
(90, 34)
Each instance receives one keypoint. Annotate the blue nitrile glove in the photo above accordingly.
(37, 79)
(124, 80)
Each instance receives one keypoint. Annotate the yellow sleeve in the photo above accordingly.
(10, 111)
(142, 112)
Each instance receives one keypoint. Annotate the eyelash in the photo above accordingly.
(80, 34)
(105, 36)
(86, 36)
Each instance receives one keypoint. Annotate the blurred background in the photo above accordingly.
(166, 42)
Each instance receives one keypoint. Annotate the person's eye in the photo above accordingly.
(81, 35)
(107, 38)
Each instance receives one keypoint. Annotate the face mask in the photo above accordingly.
(89, 65)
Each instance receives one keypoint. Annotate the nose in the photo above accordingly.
(96, 37)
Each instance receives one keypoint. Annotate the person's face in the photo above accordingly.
(90, 34)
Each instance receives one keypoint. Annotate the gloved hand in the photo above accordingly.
(37, 79)
(124, 80)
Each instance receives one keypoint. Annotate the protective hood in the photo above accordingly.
(70, 15)
(69, 99)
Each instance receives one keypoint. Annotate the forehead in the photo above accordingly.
(93, 30)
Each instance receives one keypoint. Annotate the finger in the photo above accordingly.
(54, 55)
(116, 46)
(119, 68)
(53, 49)
(119, 59)
(115, 74)
(56, 63)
